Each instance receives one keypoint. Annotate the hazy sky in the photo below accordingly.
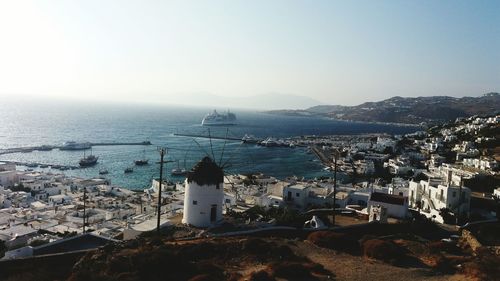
(338, 52)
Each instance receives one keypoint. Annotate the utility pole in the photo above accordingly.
(84, 206)
(163, 152)
(335, 156)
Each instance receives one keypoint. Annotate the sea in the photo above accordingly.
(33, 122)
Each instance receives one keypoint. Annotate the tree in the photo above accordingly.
(3, 248)
(447, 216)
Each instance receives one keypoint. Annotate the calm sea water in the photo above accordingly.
(35, 122)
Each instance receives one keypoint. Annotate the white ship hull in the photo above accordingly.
(216, 119)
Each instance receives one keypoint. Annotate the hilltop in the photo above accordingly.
(434, 109)
(371, 252)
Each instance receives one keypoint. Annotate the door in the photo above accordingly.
(289, 197)
(213, 213)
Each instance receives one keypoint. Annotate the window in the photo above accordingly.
(195, 202)
(454, 194)
(228, 200)
(297, 194)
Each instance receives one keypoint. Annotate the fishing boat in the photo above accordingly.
(143, 161)
(103, 172)
(128, 170)
(178, 171)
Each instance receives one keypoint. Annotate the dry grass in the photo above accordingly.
(383, 250)
(335, 241)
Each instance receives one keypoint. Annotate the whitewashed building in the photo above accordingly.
(204, 194)
(8, 175)
(296, 195)
(396, 206)
(432, 195)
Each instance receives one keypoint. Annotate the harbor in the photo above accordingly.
(62, 147)
(43, 165)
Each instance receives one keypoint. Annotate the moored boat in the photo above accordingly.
(249, 139)
(71, 145)
(88, 161)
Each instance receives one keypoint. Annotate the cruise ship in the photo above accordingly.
(219, 119)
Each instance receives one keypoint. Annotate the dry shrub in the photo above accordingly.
(486, 266)
(440, 246)
(203, 277)
(333, 240)
(233, 276)
(265, 251)
(261, 275)
(295, 270)
(382, 250)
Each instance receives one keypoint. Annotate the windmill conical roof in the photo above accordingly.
(206, 172)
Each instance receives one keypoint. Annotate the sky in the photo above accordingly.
(335, 52)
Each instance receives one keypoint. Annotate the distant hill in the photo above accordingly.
(434, 109)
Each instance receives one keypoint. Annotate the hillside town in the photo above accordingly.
(448, 175)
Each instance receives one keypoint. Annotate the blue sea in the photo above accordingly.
(39, 122)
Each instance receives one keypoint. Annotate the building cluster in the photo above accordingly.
(43, 207)
(418, 174)
(431, 167)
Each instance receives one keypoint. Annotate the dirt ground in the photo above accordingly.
(348, 267)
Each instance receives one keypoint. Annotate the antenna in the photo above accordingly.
(162, 151)
(84, 206)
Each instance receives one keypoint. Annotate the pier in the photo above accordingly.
(119, 143)
(207, 137)
(325, 160)
(44, 165)
(51, 147)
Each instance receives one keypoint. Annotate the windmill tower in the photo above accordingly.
(204, 194)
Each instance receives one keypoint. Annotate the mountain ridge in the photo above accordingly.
(409, 110)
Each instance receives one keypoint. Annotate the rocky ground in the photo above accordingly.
(368, 253)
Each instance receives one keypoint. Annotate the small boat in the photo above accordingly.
(103, 172)
(44, 166)
(64, 168)
(32, 165)
(270, 142)
(128, 170)
(249, 139)
(88, 161)
(143, 161)
(178, 171)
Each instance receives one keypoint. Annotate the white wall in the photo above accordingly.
(8, 178)
(198, 213)
(396, 211)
